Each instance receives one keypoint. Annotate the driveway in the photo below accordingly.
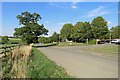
(81, 63)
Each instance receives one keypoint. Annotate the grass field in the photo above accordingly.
(15, 41)
(41, 67)
(71, 44)
(105, 49)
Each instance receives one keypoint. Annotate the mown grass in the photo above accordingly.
(41, 67)
(71, 44)
(105, 49)
(15, 41)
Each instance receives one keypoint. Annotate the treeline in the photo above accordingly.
(8, 40)
(84, 31)
(30, 30)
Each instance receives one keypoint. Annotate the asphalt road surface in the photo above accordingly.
(82, 64)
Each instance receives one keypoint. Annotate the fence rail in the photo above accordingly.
(8, 48)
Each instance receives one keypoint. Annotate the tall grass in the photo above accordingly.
(15, 64)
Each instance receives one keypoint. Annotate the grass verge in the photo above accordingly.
(41, 67)
(71, 44)
(113, 49)
(105, 49)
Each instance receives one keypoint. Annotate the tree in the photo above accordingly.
(44, 40)
(66, 31)
(77, 32)
(30, 30)
(55, 37)
(99, 27)
(5, 39)
(115, 32)
(87, 31)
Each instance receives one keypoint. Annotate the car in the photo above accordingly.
(116, 41)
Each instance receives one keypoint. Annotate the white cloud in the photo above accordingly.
(73, 5)
(96, 12)
(109, 22)
(55, 5)
(47, 22)
(62, 23)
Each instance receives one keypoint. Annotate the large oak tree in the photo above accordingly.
(30, 29)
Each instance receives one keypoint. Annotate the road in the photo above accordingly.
(82, 64)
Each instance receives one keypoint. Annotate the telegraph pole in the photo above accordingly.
(110, 37)
(59, 39)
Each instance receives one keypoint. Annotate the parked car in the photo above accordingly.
(116, 41)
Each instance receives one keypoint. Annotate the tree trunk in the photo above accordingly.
(96, 41)
(87, 40)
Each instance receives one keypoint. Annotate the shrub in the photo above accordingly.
(93, 41)
(14, 42)
(4, 39)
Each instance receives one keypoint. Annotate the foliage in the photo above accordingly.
(99, 27)
(26, 18)
(115, 32)
(93, 41)
(55, 37)
(44, 40)
(81, 31)
(66, 31)
(5, 39)
(77, 31)
(30, 30)
(85, 31)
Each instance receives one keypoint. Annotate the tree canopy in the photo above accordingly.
(115, 32)
(82, 31)
(55, 37)
(30, 30)
(99, 27)
(66, 31)
(77, 31)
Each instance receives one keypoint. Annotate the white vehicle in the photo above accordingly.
(115, 41)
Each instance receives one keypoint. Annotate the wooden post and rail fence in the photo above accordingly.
(5, 49)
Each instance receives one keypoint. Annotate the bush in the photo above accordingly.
(4, 39)
(44, 40)
(14, 42)
(93, 41)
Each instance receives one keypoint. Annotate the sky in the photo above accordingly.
(60, 0)
(56, 14)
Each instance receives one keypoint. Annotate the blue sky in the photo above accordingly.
(55, 14)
